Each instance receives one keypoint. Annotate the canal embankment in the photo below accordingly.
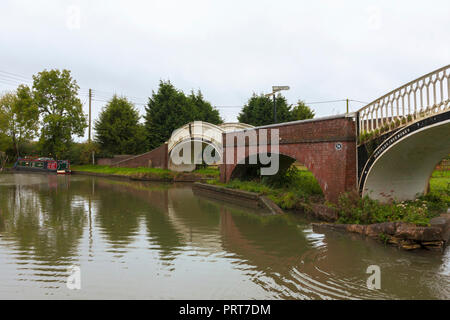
(422, 223)
(145, 174)
(404, 235)
(240, 197)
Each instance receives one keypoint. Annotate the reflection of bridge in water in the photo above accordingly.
(51, 222)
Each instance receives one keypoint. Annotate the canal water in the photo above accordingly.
(137, 240)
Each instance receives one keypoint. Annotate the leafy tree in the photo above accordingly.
(55, 93)
(203, 109)
(4, 141)
(301, 111)
(86, 152)
(169, 108)
(81, 153)
(19, 117)
(259, 110)
(118, 130)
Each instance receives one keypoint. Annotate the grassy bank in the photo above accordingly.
(356, 210)
(144, 172)
(352, 209)
(297, 188)
(292, 190)
(440, 183)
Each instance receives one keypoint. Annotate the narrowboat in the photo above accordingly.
(43, 165)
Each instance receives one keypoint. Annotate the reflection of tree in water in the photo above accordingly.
(173, 216)
(162, 232)
(191, 213)
(119, 211)
(42, 220)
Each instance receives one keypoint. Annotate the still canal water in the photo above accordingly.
(153, 241)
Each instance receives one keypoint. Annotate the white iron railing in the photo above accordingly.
(418, 99)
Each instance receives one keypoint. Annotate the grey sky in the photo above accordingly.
(324, 50)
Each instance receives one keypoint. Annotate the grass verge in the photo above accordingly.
(293, 189)
(356, 210)
(144, 172)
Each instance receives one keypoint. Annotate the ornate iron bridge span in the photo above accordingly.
(402, 136)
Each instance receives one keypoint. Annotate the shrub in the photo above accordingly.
(353, 209)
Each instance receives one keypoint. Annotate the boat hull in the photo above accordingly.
(43, 165)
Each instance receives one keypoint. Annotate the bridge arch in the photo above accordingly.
(199, 134)
(197, 150)
(326, 170)
(244, 169)
(400, 167)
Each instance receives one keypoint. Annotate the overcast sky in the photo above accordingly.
(323, 50)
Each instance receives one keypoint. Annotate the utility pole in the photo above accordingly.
(89, 134)
(347, 105)
(90, 99)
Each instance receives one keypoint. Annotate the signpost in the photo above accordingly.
(275, 89)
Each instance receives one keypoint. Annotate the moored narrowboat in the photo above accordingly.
(43, 165)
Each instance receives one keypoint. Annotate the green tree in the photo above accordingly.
(117, 129)
(169, 108)
(19, 117)
(301, 111)
(55, 93)
(203, 109)
(259, 110)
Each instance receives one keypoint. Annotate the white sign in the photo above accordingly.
(279, 88)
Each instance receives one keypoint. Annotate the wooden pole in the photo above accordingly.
(90, 99)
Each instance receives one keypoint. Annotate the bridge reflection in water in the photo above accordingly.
(141, 240)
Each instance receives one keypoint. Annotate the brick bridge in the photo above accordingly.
(388, 149)
(326, 146)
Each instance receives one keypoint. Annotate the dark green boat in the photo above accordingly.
(43, 165)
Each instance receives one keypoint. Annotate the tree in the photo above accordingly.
(301, 111)
(19, 117)
(203, 109)
(118, 130)
(55, 93)
(259, 110)
(166, 111)
(169, 108)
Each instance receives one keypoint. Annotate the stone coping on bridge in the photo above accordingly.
(338, 116)
(407, 236)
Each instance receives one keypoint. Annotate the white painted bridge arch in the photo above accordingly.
(199, 133)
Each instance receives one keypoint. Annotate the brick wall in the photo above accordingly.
(114, 160)
(157, 158)
(314, 144)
